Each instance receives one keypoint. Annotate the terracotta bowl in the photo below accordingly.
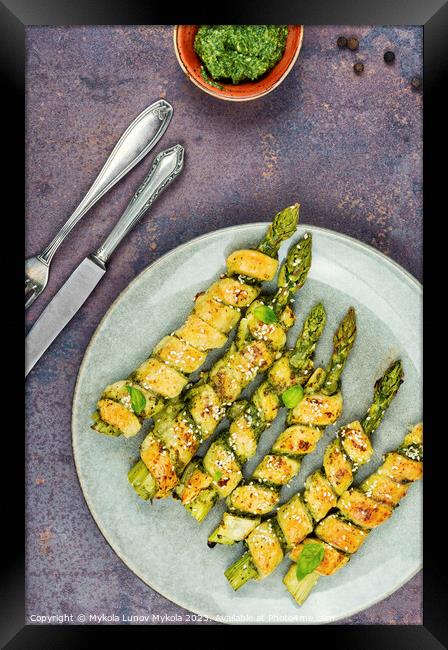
(191, 64)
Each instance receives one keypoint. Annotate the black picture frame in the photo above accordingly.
(15, 15)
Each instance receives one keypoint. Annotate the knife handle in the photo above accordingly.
(138, 139)
(166, 167)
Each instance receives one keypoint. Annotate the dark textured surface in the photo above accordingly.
(347, 147)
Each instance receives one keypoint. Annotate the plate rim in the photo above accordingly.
(397, 268)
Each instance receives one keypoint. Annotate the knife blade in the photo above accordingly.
(61, 309)
(72, 295)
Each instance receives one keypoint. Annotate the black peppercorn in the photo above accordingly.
(353, 43)
(211, 544)
(341, 42)
(416, 83)
(389, 57)
(358, 67)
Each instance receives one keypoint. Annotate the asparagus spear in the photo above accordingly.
(359, 511)
(162, 377)
(294, 520)
(219, 472)
(321, 405)
(261, 335)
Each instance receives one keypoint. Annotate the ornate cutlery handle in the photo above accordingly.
(166, 167)
(138, 139)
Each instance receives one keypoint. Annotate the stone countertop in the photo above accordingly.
(347, 147)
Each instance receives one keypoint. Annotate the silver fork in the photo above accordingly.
(138, 139)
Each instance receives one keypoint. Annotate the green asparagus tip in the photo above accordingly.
(318, 313)
(241, 571)
(295, 268)
(309, 336)
(299, 589)
(345, 336)
(387, 386)
(282, 227)
(343, 341)
(315, 323)
(346, 333)
(285, 222)
(384, 391)
(293, 273)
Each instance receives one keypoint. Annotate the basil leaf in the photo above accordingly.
(310, 558)
(138, 400)
(265, 314)
(292, 396)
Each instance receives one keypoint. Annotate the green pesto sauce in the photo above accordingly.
(239, 52)
(206, 77)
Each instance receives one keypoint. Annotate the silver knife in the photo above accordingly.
(72, 295)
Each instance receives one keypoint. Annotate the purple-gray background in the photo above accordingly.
(348, 148)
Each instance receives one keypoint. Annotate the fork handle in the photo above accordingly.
(138, 139)
(165, 169)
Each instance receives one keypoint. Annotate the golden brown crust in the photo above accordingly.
(205, 409)
(179, 354)
(356, 443)
(281, 375)
(267, 402)
(252, 263)
(278, 470)
(362, 510)
(220, 316)
(222, 466)
(401, 469)
(253, 499)
(241, 437)
(298, 439)
(318, 495)
(272, 333)
(158, 462)
(181, 439)
(161, 378)
(265, 548)
(197, 482)
(295, 521)
(233, 292)
(339, 533)
(317, 409)
(200, 334)
(415, 435)
(226, 382)
(338, 468)
(118, 416)
(384, 489)
(258, 355)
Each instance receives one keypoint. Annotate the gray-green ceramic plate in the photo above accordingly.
(162, 543)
